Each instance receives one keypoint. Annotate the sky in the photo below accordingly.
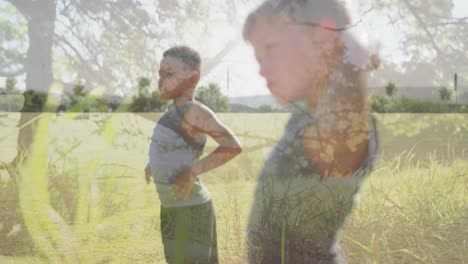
(238, 73)
(243, 70)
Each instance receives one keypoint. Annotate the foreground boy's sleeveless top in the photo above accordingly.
(171, 152)
(297, 213)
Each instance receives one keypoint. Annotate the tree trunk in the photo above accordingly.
(41, 18)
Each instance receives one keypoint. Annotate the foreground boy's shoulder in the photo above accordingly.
(200, 118)
(198, 110)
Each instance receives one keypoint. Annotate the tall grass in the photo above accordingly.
(411, 214)
(84, 199)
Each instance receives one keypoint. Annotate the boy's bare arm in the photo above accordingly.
(200, 119)
(337, 140)
(334, 152)
(148, 174)
(154, 118)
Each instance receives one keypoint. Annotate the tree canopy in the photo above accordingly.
(212, 97)
(104, 43)
(432, 41)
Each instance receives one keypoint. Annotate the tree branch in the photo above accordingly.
(450, 17)
(89, 73)
(62, 39)
(5, 73)
(78, 39)
(455, 23)
(211, 63)
(18, 58)
(92, 77)
(423, 26)
(445, 20)
(23, 6)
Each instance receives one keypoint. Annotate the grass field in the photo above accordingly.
(84, 199)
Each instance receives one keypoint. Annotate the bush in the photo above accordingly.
(11, 102)
(463, 109)
(143, 103)
(266, 108)
(380, 104)
(405, 105)
(34, 101)
(212, 97)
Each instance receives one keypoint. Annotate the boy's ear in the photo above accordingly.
(195, 76)
(329, 29)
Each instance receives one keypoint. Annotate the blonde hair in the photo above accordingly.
(309, 12)
(356, 61)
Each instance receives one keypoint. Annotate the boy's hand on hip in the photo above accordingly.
(148, 174)
(183, 184)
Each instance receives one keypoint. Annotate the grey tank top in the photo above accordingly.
(293, 200)
(171, 152)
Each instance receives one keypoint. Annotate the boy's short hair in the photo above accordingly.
(187, 55)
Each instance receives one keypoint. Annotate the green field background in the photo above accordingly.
(84, 199)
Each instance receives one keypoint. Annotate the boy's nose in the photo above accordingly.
(264, 68)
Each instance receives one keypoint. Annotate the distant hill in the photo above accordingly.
(255, 101)
(426, 93)
(240, 108)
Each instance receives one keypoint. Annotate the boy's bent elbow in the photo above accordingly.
(237, 148)
(234, 151)
(232, 146)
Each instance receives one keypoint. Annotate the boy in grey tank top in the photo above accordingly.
(307, 188)
(188, 225)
